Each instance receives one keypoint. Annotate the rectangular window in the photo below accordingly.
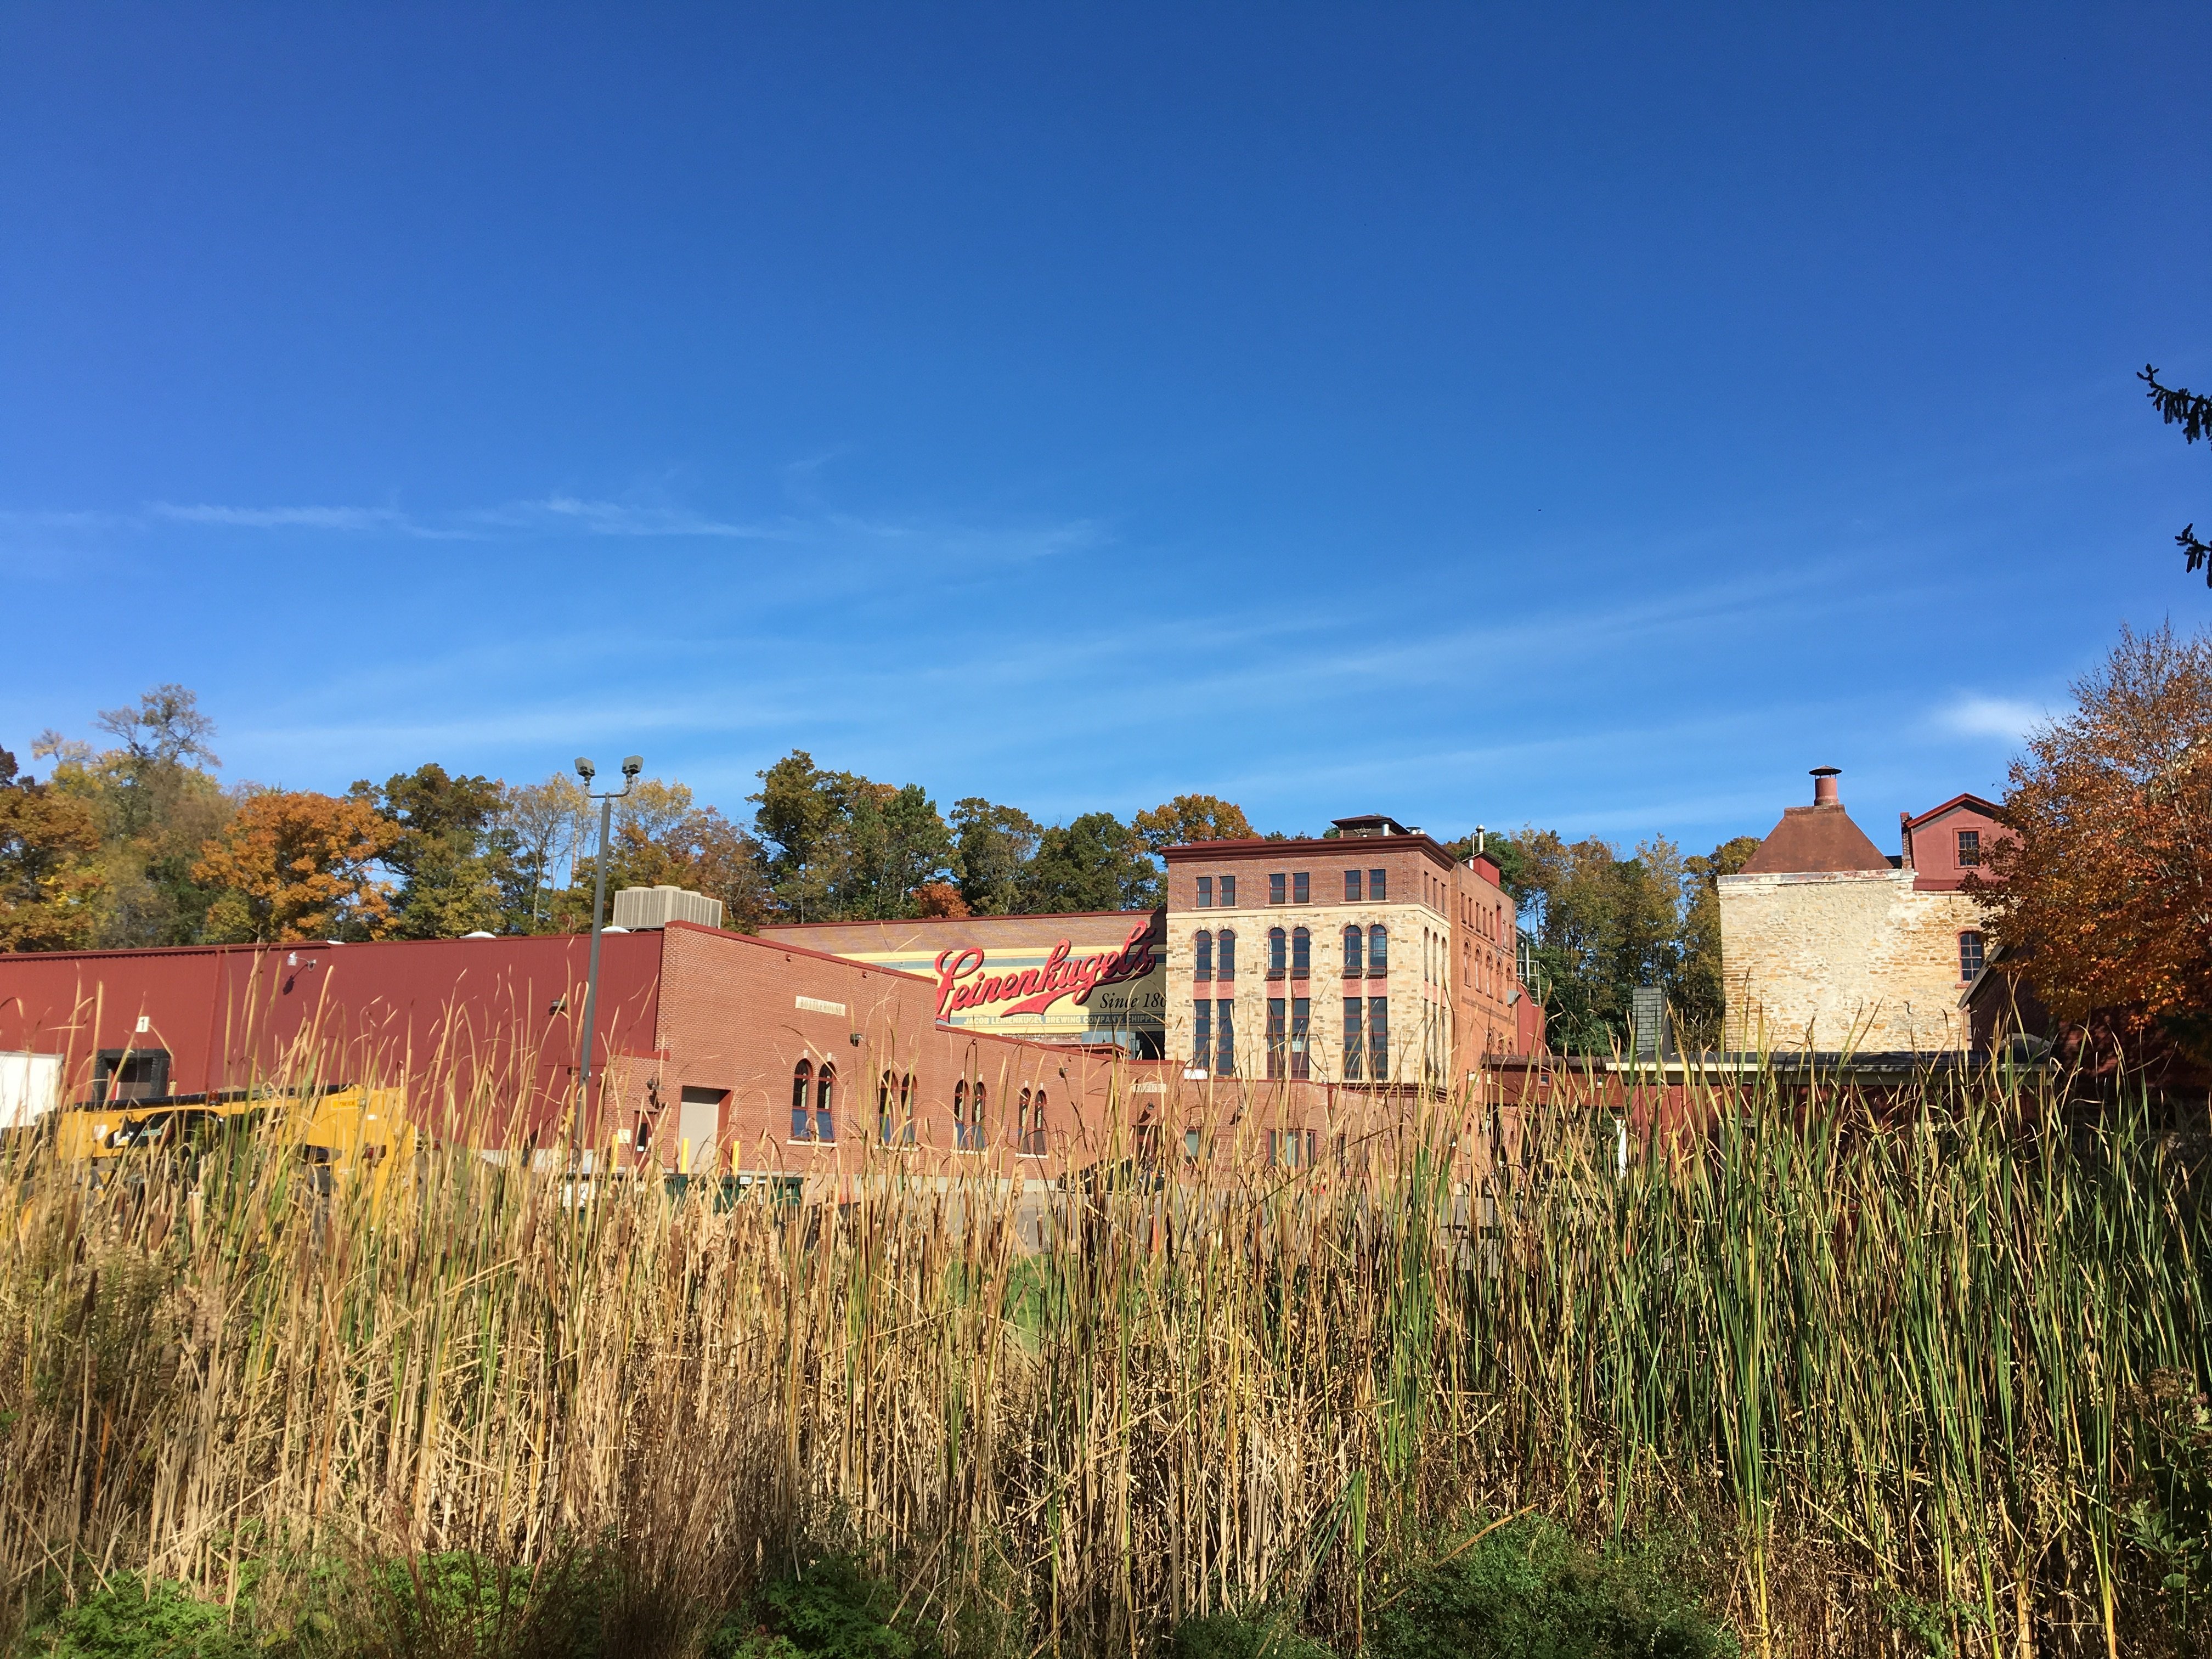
(130, 1074)
(1205, 892)
(1378, 1038)
(1201, 1035)
(1290, 1149)
(1355, 1043)
(1351, 887)
(1970, 849)
(1194, 1145)
(1302, 887)
(1229, 892)
(1278, 888)
(1970, 954)
(1378, 886)
(1224, 1038)
(1278, 1037)
(1301, 1020)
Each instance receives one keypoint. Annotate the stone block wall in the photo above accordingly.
(1857, 959)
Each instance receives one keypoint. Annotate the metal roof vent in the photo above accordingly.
(656, 907)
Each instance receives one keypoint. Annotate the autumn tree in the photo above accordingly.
(940, 898)
(1192, 817)
(2192, 413)
(293, 865)
(157, 804)
(2102, 895)
(49, 878)
(660, 838)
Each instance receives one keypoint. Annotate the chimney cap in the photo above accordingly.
(1827, 771)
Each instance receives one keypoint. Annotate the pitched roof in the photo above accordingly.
(1814, 840)
(1986, 808)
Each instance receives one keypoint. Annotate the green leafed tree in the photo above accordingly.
(1597, 926)
(1095, 862)
(995, 845)
(454, 854)
(842, 846)
(1701, 993)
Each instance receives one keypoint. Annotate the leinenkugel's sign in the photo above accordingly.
(964, 982)
(1099, 977)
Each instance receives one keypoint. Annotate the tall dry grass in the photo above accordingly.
(1941, 1355)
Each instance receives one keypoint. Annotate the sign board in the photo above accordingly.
(30, 1087)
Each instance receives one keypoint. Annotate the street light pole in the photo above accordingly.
(586, 771)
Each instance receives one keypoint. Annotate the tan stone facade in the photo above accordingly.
(1860, 960)
(1447, 993)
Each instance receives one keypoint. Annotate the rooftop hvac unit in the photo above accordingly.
(656, 907)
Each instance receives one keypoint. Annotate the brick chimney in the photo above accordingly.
(1823, 787)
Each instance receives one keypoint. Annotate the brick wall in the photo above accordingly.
(1452, 932)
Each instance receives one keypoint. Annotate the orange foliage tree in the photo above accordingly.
(940, 898)
(2103, 894)
(49, 876)
(294, 865)
(1192, 817)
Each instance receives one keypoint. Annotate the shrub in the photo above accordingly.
(1257, 1635)
(833, 1608)
(1527, 1591)
(132, 1620)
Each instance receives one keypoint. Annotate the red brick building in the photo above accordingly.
(1376, 971)
(713, 1047)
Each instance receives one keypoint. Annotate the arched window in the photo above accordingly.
(906, 1108)
(967, 1118)
(1202, 943)
(1022, 1122)
(1301, 953)
(895, 1109)
(1225, 955)
(1378, 949)
(1279, 953)
(1355, 938)
(1034, 1143)
(825, 1115)
(802, 1082)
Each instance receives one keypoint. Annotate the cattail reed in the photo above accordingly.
(1935, 1347)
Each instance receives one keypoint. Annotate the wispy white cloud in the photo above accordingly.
(623, 519)
(1972, 714)
(278, 518)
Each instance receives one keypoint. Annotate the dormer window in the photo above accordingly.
(1970, 849)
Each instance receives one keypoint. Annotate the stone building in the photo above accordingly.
(1831, 946)
(1368, 958)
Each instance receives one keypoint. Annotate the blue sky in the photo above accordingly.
(1587, 415)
